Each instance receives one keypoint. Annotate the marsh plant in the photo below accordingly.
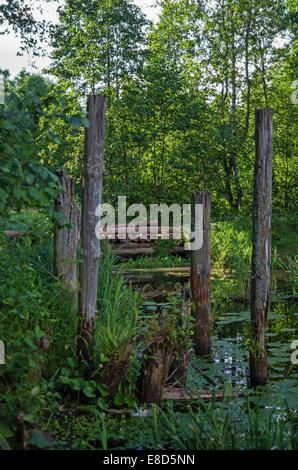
(115, 326)
(241, 423)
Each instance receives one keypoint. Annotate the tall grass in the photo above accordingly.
(288, 265)
(114, 352)
(234, 424)
(118, 307)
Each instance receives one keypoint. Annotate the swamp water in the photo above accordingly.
(230, 424)
(231, 327)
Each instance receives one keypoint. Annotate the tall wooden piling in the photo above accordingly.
(200, 277)
(182, 352)
(156, 366)
(66, 238)
(261, 244)
(92, 193)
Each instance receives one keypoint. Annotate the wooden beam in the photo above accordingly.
(142, 251)
(180, 394)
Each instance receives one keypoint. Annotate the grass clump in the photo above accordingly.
(115, 327)
(234, 424)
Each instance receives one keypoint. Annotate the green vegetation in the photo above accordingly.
(181, 94)
(50, 388)
(233, 424)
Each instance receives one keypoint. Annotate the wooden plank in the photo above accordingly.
(144, 224)
(142, 251)
(179, 394)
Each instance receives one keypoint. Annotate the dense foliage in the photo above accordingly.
(181, 94)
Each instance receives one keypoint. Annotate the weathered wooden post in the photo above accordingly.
(200, 278)
(66, 239)
(90, 245)
(181, 355)
(261, 244)
(156, 366)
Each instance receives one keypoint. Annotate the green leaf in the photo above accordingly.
(3, 443)
(75, 121)
(5, 430)
(104, 390)
(130, 400)
(35, 390)
(102, 404)
(29, 418)
(89, 392)
(38, 439)
(38, 195)
(119, 399)
(85, 122)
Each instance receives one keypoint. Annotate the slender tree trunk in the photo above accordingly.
(108, 111)
(261, 243)
(200, 279)
(227, 171)
(226, 163)
(247, 78)
(233, 119)
(263, 69)
(66, 239)
(90, 244)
